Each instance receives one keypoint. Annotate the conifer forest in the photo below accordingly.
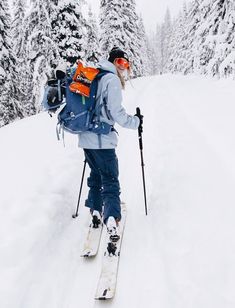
(36, 36)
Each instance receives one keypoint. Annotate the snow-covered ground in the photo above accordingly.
(180, 256)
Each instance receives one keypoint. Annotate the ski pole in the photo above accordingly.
(80, 191)
(140, 130)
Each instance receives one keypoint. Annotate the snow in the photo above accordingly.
(181, 255)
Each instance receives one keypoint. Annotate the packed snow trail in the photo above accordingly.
(181, 255)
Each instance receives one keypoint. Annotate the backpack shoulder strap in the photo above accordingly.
(102, 73)
(101, 100)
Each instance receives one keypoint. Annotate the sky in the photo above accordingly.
(152, 11)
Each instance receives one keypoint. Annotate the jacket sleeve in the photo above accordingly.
(114, 104)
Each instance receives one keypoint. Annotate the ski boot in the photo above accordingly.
(96, 219)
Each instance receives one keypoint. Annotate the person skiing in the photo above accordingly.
(99, 150)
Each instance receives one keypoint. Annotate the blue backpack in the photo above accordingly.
(81, 112)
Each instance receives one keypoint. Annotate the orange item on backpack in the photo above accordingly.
(82, 79)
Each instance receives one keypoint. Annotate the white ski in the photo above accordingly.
(108, 278)
(92, 241)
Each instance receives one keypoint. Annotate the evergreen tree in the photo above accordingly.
(226, 47)
(157, 47)
(145, 49)
(119, 27)
(216, 52)
(52, 7)
(163, 44)
(18, 25)
(41, 52)
(111, 26)
(166, 33)
(193, 22)
(133, 37)
(92, 50)
(9, 109)
(19, 52)
(178, 59)
(204, 50)
(153, 67)
(69, 30)
(184, 43)
(204, 39)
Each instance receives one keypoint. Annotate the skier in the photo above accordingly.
(103, 183)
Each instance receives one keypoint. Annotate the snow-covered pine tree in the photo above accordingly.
(163, 43)
(40, 51)
(145, 49)
(111, 26)
(209, 38)
(188, 34)
(173, 43)
(19, 8)
(119, 27)
(134, 41)
(93, 53)
(152, 54)
(226, 47)
(69, 30)
(193, 21)
(156, 40)
(166, 40)
(9, 108)
(217, 49)
(204, 39)
(53, 11)
(178, 60)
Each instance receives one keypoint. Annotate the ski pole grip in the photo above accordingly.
(141, 119)
(138, 111)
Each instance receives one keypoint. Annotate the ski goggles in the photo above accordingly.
(122, 63)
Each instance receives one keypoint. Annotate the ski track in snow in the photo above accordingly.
(181, 255)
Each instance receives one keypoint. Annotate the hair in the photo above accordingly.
(122, 79)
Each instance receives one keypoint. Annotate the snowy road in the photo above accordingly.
(180, 256)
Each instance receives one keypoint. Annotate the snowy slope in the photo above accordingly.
(180, 256)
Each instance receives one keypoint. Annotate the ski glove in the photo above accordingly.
(140, 116)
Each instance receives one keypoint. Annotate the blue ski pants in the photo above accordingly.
(103, 183)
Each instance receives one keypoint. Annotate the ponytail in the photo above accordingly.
(123, 83)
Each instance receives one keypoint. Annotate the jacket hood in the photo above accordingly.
(107, 66)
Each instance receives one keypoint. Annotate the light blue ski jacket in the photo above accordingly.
(109, 90)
